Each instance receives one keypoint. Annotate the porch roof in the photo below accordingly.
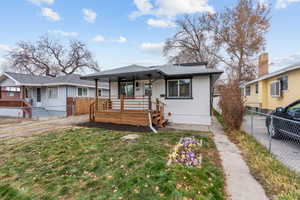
(144, 73)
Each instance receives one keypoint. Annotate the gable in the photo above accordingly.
(7, 82)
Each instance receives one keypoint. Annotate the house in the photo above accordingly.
(144, 96)
(272, 90)
(44, 95)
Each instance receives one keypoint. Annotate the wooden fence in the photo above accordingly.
(79, 105)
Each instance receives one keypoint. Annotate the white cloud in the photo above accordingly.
(64, 33)
(4, 47)
(50, 14)
(263, 2)
(98, 38)
(143, 5)
(152, 48)
(40, 2)
(284, 3)
(283, 62)
(160, 23)
(89, 15)
(121, 39)
(170, 7)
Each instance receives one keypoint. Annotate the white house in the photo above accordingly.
(46, 95)
(185, 90)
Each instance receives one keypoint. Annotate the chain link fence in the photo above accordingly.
(280, 135)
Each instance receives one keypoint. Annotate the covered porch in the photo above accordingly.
(129, 100)
(13, 102)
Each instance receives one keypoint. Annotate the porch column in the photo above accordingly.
(109, 89)
(0, 92)
(22, 92)
(149, 102)
(96, 93)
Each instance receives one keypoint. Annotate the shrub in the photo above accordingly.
(232, 105)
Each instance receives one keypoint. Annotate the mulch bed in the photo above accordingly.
(115, 127)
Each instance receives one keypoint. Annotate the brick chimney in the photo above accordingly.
(263, 64)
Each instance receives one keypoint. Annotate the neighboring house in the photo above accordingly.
(10, 93)
(272, 90)
(185, 91)
(43, 93)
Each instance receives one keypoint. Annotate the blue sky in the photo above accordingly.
(123, 32)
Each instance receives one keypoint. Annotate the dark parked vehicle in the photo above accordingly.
(286, 121)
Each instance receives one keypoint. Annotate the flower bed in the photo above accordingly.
(187, 152)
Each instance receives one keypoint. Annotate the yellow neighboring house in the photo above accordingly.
(272, 90)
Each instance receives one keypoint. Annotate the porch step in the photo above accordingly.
(158, 120)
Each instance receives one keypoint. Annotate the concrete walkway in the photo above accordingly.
(240, 183)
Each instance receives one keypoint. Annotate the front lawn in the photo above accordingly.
(96, 164)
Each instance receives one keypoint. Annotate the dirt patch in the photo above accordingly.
(115, 127)
(8, 120)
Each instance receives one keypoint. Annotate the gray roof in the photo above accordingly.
(33, 80)
(155, 71)
(276, 73)
(176, 70)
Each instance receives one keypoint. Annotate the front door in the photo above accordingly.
(38, 97)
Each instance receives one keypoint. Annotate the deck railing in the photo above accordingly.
(17, 103)
(124, 104)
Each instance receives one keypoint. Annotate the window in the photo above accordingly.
(82, 92)
(181, 88)
(13, 89)
(284, 83)
(275, 89)
(52, 92)
(148, 89)
(10, 94)
(126, 88)
(294, 108)
(99, 92)
(248, 90)
(256, 88)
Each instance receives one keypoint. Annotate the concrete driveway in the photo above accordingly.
(31, 127)
(285, 150)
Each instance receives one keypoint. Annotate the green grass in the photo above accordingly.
(279, 182)
(96, 164)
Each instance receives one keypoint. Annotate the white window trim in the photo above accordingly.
(245, 91)
(47, 93)
(178, 88)
(87, 91)
(279, 90)
(284, 90)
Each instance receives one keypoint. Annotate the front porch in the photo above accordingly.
(137, 111)
(13, 103)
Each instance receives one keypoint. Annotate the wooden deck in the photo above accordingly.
(130, 118)
(127, 111)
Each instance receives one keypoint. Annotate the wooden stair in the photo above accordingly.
(158, 119)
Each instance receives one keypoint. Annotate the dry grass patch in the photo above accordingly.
(279, 182)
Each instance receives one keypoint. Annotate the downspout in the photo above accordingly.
(210, 94)
(150, 125)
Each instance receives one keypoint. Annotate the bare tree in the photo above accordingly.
(241, 32)
(50, 57)
(194, 41)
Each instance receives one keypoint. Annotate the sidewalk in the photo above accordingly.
(240, 183)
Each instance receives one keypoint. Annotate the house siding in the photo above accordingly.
(187, 111)
(266, 101)
(181, 111)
